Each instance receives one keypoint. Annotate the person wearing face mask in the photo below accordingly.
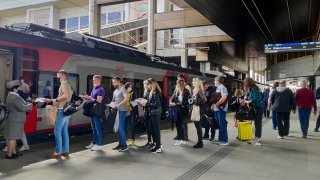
(97, 95)
(61, 127)
(14, 125)
(132, 118)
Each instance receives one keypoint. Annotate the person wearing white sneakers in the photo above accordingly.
(254, 99)
(25, 146)
(220, 109)
(96, 96)
(283, 101)
(179, 101)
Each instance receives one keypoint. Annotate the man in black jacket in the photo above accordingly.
(283, 101)
(208, 90)
(318, 120)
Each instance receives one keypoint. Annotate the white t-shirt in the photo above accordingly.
(223, 91)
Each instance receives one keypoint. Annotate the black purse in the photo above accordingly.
(74, 105)
(97, 109)
(246, 113)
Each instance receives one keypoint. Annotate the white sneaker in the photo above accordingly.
(159, 150)
(5, 149)
(96, 148)
(257, 143)
(24, 148)
(183, 142)
(223, 144)
(215, 142)
(90, 146)
(178, 143)
(280, 137)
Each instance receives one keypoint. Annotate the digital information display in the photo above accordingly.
(292, 47)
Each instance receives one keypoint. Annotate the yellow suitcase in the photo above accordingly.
(245, 130)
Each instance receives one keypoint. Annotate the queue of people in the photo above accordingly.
(212, 102)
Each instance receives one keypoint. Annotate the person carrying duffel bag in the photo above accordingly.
(94, 108)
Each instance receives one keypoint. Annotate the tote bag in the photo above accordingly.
(195, 113)
(51, 115)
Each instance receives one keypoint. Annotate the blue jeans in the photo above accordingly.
(223, 132)
(96, 125)
(304, 117)
(121, 130)
(61, 133)
(132, 120)
(274, 120)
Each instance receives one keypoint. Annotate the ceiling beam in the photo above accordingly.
(180, 19)
(116, 2)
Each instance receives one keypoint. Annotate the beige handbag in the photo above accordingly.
(195, 113)
(51, 115)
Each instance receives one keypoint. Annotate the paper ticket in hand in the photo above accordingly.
(142, 101)
(112, 105)
(40, 100)
(134, 103)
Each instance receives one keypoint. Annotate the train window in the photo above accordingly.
(106, 84)
(30, 69)
(161, 85)
(48, 84)
(138, 87)
(172, 81)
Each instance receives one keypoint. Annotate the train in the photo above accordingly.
(37, 53)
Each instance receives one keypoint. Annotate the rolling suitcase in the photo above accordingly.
(245, 130)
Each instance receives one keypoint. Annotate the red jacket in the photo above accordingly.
(306, 99)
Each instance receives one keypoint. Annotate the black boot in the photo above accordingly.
(198, 145)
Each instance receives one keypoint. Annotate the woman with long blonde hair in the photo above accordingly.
(145, 87)
(154, 106)
(179, 101)
(200, 98)
(146, 93)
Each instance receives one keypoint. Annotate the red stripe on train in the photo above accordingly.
(49, 60)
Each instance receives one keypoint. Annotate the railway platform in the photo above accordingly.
(292, 158)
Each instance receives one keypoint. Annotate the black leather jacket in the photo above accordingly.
(154, 103)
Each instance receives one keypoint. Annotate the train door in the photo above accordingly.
(6, 60)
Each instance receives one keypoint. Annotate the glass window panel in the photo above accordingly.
(62, 24)
(103, 19)
(114, 17)
(72, 24)
(143, 8)
(84, 22)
